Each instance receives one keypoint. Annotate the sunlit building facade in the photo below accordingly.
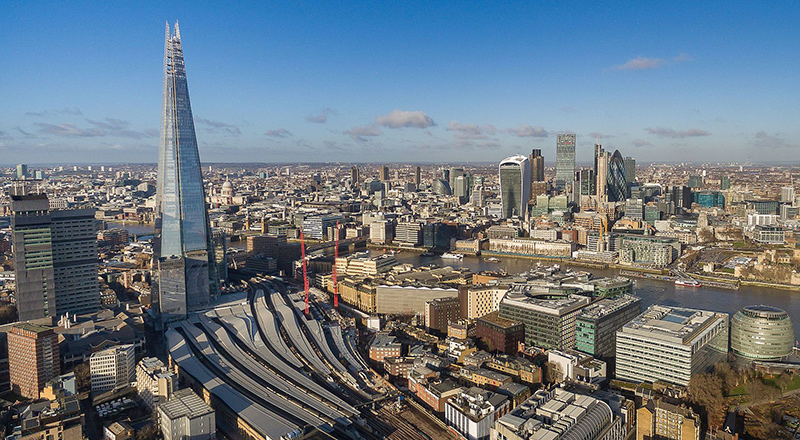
(184, 265)
(515, 186)
(617, 185)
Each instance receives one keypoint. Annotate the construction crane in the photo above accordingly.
(336, 257)
(305, 270)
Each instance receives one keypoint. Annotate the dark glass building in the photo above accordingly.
(617, 185)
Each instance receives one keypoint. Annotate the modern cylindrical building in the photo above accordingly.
(761, 332)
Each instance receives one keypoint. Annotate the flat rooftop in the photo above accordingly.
(675, 324)
(607, 306)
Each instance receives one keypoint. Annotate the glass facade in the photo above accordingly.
(617, 185)
(515, 186)
(565, 159)
(762, 332)
(182, 228)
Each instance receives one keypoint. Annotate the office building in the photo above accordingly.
(155, 383)
(630, 169)
(316, 227)
(185, 277)
(409, 233)
(725, 183)
(537, 165)
(112, 368)
(549, 317)
(187, 416)
(559, 414)
(762, 333)
(355, 178)
(587, 182)
(22, 171)
(695, 181)
(597, 324)
(56, 258)
(473, 411)
(417, 176)
(500, 334)
(384, 173)
(515, 186)
(617, 185)
(565, 159)
(33, 358)
(670, 344)
(787, 194)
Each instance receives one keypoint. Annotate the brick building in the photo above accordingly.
(33, 358)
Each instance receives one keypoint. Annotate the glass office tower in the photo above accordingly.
(183, 261)
(565, 159)
(515, 186)
(617, 185)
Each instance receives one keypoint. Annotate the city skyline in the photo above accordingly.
(688, 84)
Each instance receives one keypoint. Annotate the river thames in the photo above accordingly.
(650, 291)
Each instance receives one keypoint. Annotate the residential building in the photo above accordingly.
(60, 419)
(670, 344)
(384, 345)
(659, 419)
(112, 368)
(183, 254)
(155, 383)
(187, 416)
(32, 358)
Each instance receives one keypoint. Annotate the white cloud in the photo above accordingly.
(279, 133)
(361, 134)
(321, 117)
(405, 119)
(677, 134)
(525, 130)
(471, 131)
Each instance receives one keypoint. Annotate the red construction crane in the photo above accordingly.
(305, 270)
(336, 257)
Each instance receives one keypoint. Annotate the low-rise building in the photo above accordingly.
(556, 414)
(55, 419)
(187, 416)
(473, 411)
(384, 345)
(440, 312)
(663, 420)
(577, 367)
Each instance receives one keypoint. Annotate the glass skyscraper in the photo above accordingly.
(515, 186)
(185, 268)
(617, 185)
(565, 159)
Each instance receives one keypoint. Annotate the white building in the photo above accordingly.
(112, 368)
(154, 382)
(473, 411)
(186, 416)
(670, 344)
(556, 414)
(578, 367)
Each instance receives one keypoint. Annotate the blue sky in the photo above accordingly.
(81, 82)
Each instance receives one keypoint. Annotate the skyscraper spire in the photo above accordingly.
(183, 255)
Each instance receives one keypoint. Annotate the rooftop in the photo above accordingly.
(185, 403)
(675, 324)
(607, 305)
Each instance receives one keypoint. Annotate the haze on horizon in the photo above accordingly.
(411, 82)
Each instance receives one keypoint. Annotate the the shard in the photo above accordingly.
(184, 272)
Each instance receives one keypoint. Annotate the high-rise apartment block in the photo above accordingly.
(55, 255)
(565, 159)
(112, 368)
(155, 383)
(183, 254)
(33, 358)
(515, 186)
(670, 344)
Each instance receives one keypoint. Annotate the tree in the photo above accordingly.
(705, 391)
(783, 381)
(8, 314)
(83, 378)
(146, 433)
(758, 390)
(729, 376)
